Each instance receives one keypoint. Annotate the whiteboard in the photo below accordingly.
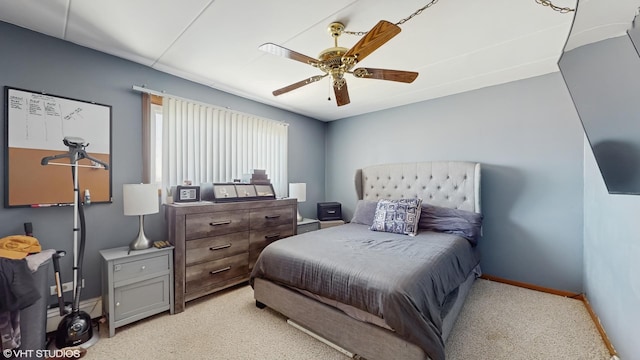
(36, 125)
(41, 121)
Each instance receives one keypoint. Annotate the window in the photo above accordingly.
(191, 141)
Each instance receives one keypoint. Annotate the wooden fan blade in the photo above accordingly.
(386, 74)
(376, 37)
(284, 52)
(342, 95)
(299, 84)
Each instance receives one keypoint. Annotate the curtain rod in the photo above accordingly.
(163, 94)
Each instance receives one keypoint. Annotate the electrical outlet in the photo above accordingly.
(93, 307)
(68, 286)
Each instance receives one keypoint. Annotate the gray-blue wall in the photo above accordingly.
(611, 253)
(41, 63)
(611, 270)
(528, 138)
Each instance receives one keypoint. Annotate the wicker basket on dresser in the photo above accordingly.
(216, 245)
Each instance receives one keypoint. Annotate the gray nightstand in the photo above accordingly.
(136, 284)
(307, 225)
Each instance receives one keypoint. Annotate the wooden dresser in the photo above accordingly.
(216, 245)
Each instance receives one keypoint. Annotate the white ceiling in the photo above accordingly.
(455, 45)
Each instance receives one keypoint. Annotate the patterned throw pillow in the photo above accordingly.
(397, 216)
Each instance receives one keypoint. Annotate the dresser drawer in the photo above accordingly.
(273, 216)
(215, 223)
(212, 272)
(263, 237)
(218, 247)
(123, 270)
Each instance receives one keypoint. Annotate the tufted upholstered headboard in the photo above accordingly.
(452, 184)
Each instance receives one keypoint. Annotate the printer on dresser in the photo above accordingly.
(217, 244)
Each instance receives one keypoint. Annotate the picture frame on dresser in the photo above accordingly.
(265, 191)
(233, 192)
(246, 191)
(224, 192)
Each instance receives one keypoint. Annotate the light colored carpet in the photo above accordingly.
(500, 321)
(497, 322)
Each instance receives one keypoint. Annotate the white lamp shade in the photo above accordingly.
(140, 199)
(298, 191)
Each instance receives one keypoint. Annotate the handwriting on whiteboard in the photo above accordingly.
(41, 121)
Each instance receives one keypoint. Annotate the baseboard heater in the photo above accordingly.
(320, 338)
(93, 307)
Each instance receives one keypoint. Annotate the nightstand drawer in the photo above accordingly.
(212, 272)
(216, 223)
(214, 248)
(307, 226)
(123, 270)
(273, 216)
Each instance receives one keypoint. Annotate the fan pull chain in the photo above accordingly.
(559, 9)
(548, 3)
(330, 87)
(417, 12)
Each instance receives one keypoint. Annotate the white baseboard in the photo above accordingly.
(93, 307)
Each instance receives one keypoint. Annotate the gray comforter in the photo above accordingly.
(402, 279)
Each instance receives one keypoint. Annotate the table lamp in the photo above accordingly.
(299, 192)
(140, 199)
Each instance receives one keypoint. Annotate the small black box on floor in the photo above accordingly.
(329, 211)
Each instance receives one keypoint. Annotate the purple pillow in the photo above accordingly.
(365, 212)
(464, 223)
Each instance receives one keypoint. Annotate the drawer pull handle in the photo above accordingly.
(220, 270)
(223, 222)
(331, 211)
(272, 237)
(143, 267)
(118, 303)
(220, 247)
(270, 217)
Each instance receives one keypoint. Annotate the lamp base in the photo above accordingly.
(141, 242)
(300, 218)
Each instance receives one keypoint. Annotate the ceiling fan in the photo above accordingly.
(337, 61)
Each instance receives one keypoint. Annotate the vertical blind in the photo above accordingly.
(204, 143)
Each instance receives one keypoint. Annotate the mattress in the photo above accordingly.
(403, 280)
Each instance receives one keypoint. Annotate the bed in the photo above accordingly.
(392, 293)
